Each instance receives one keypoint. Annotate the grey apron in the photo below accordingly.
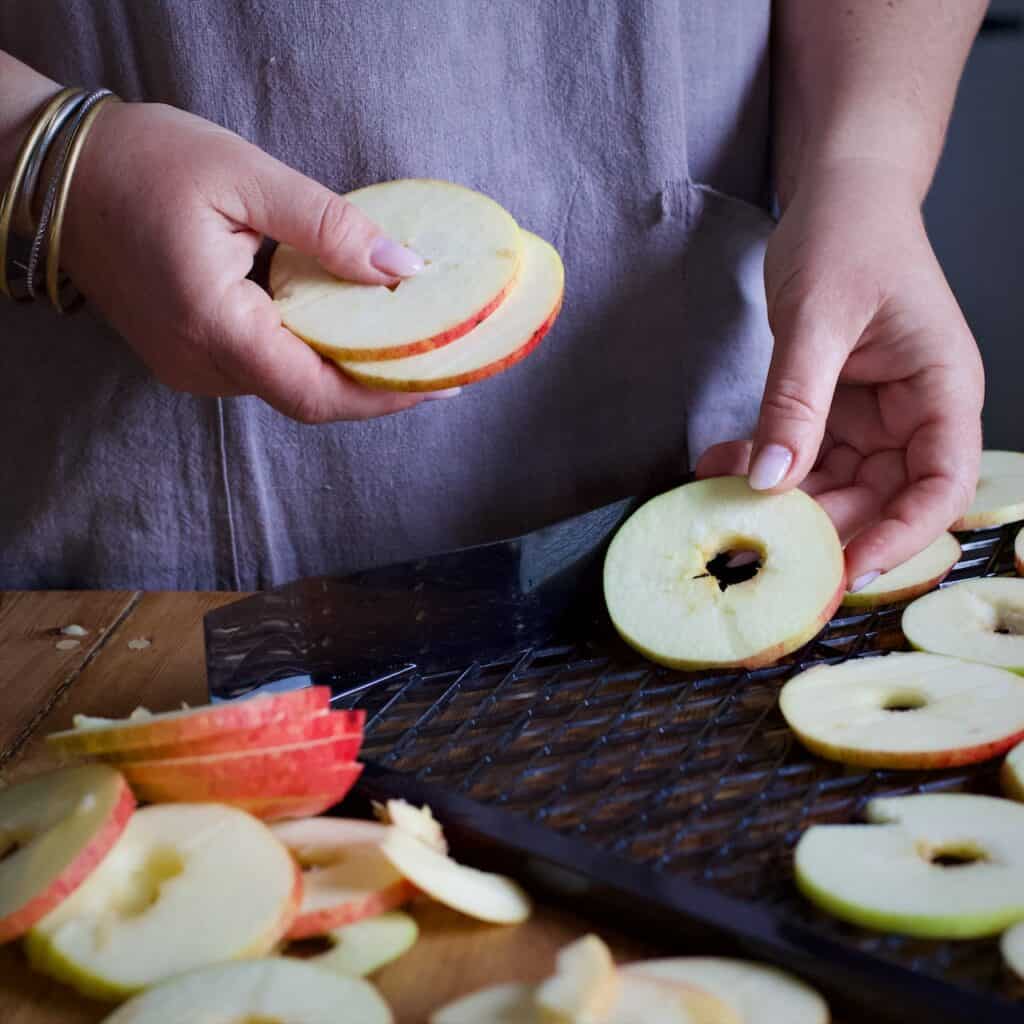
(634, 136)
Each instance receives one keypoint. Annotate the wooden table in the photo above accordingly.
(41, 687)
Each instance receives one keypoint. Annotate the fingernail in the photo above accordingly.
(862, 581)
(741, 558)
(391, 258)
(770, 466)
(436, 396)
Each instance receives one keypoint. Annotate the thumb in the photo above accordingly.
(806, 363)
(293, 209)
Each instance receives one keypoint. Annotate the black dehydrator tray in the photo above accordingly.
(666, 802)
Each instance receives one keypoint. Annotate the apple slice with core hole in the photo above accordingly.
(271, 991)
(471, 250)
(363, 947)
(1011, 945)
(511, 1003)
(320, 725)
(999, 498)
(665, 599)
(932, 865)
(184, 886)
(924, 572)
(1012, 775)
(417, 821)
(54, 830)
(584, 987)
(977, 620)
(913, 711)
(145, 729)
(756, 993)
(271, 772)
(508, 335)
(1018, 553)
(479, 894)
(346, 877)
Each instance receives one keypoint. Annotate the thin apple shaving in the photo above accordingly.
(418, 822)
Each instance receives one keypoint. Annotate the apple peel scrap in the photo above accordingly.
(905, 711)
(932, 865)
(271, 989)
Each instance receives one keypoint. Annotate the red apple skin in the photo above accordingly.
(379, 902)
(290, 808)
(275, 771)
(210, 720)
(459, 379)
(368, 355)
(18, 923)
(915, 761)
(320, 725)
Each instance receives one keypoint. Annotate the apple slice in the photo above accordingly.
(185, 885)
(54, 830)
(665, 601)
(274, 989)
(757, 994)
(933, 865)
(288, 808)
(479, 894)
(320, 725)
(471, 249)
(924, 572)
(1018, 553)
(511, 1003)
(977, 620)
(1011, 945)
(514, 330)
(1012, 775)
(277, 771)
(363, 947)
(417, 821)
(145, 729)
(585, 986)
(346, 877)
(999, 497)
(916, 711)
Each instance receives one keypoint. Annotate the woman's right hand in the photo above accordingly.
(165, 215)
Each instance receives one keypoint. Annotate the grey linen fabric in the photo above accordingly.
(634, 136)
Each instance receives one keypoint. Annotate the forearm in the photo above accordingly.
(869, 81)
(24, 91)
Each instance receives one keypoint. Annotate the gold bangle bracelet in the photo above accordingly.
(56, 225)
(10, 197)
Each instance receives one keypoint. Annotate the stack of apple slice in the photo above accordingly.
(280, 756)
(486, 296)
(587, 988)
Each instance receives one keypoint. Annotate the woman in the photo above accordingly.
(645, 140)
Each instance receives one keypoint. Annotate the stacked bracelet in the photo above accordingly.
(70, 115)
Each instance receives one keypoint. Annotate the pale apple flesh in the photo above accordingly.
(55, 829)
(924, 572)
(757, 994)
(145, 729)
(977, 620)
(275, 989)
(184, 886)
(1012, 774)
(471, 248)
(507, 336)
(999, 497)
(480, 894)
(890, 875)
(905, 711)
(585, 985)
(319, 725)
(272, 772)
(346, 877)
(1011, 945)
(511, 1003)
(365, 946)
(666, 603)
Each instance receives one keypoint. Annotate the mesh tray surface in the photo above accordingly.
(695, 775)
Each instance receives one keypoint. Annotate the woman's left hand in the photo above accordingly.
(874, 396)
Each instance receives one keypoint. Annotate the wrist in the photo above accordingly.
(879, 182)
